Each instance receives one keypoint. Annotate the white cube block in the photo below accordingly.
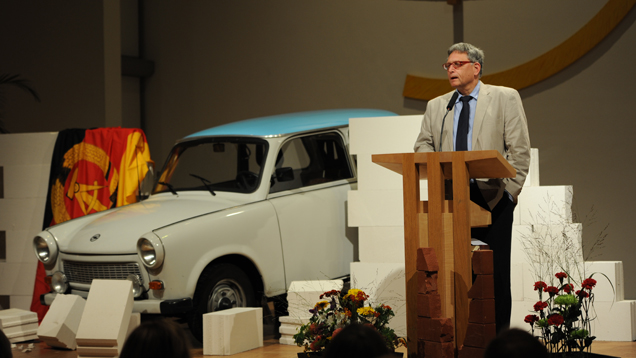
(26, 181)
(232, 331)
(385, 284)
(287, 340)
(106, 314)
(376, 208)
(532, 179)
(384, 134)
(382, 244)
(59, 326)
(16, 317)
(303, 295)
(20, 148)
(545, 205)
(609, 280)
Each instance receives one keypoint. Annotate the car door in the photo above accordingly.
(309, 193)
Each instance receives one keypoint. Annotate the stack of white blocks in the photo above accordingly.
(59, 326)
(232, 331)
(376, 208)
(19, 325)
(301, 297)
(106, 320)
(26, 162)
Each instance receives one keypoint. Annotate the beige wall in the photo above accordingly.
(222, 61)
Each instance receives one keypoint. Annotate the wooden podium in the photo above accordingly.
(442, 224)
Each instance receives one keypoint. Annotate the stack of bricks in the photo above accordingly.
(481, 318)
(435, 334)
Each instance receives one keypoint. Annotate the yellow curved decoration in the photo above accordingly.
(541, 67)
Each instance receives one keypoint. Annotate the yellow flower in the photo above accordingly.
(366, 311)
(321, 305)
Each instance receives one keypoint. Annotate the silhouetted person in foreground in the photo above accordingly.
(357, 340)
(515, 343)
(157, 339)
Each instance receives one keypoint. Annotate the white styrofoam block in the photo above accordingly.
(232, 331)
(385, 284)
(16, 317)
(372, 176)
(288, 329)
(303, 295)
(23, 338)
(545, 205)
(287, 340)
(21, 301)
(20, 148)
(532, 179)
(59, 326)
(106, 316)
(389, 238)
(384, 134)
(375, 208)
(26, 181)
(22, 214)
(17, 278)
(609, 280)
(559, 241)
(294, 320)
(516, 280)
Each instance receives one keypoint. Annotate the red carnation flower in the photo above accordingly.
(568, 288)
(561, 275)
(531, 318)
(555, 319)
(582, 293)
(588, 283)
(540, 285)
(552, 290)
(539, 306)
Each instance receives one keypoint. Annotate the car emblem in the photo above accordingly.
(95, 237)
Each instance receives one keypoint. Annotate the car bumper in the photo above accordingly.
(164, 307)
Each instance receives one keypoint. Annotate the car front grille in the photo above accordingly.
(84, 272)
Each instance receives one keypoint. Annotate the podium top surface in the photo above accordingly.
(481, 163)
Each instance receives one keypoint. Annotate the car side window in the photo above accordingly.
(310, 160)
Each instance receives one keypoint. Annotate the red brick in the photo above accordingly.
(483, 262)
(426, 259)
(483, 287)
(471, 352)
(429, 305)
(435, 329)
(426, 282)
(479, 335)
(439, 350)
(481, 311)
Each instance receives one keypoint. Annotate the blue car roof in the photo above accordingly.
(277, 125)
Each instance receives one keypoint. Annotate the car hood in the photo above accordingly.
(116, 231)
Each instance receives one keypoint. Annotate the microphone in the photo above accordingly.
(449, 106)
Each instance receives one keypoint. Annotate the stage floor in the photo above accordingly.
(272, 349)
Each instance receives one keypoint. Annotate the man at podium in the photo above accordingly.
(484, 117)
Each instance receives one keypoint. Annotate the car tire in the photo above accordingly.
(220, 287)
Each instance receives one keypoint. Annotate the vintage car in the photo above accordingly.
(238, 212)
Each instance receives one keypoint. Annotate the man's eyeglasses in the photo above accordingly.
(456, 64)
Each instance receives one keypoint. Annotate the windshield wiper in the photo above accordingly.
(170, 187)
(205, 182)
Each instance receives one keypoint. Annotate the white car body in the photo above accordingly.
(274, 236)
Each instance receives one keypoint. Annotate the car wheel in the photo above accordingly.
(220, 287)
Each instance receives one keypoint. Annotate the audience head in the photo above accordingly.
(5, 346)
(357, 340)
(160, 338)
(515, 343)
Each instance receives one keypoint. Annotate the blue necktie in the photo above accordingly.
(461, 142)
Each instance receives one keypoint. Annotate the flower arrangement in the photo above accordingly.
(338, 309)
(564, 318)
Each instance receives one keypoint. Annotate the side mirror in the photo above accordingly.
(284, 174)
(147, 184)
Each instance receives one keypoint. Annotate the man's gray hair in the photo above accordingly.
(475, 54)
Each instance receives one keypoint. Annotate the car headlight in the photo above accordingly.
(45, 247)
(150, 251)
(59, 283)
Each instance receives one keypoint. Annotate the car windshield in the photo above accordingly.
(220, 164)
